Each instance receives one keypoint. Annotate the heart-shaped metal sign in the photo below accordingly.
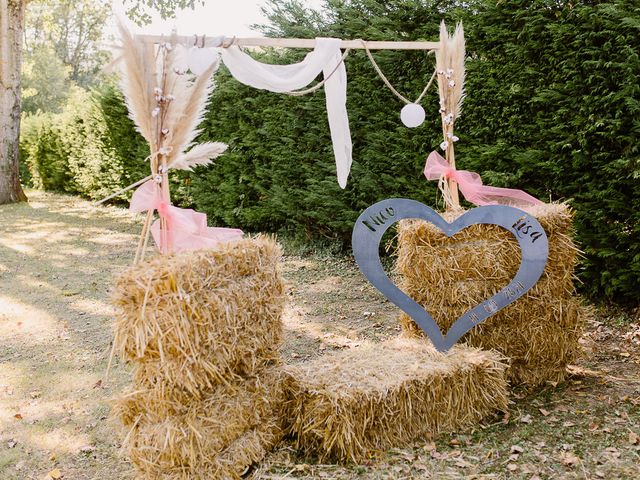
(376, 220)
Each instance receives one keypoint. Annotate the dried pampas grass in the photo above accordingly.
(138, 80)
(451, 76)
(188, 111)
(165, 102)
(193, 320)
(451, 70)
(348, 405)
(201, 154)
(448, 276)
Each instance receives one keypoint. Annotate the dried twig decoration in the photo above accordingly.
(166, 105)
(451, 73)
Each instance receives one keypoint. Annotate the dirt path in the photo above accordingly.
(57, 256)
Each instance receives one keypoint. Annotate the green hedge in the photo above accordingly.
(90, 148)
(552, 108)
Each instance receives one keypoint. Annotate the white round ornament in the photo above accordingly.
(412, 115)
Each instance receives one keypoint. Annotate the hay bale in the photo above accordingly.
(229, 409)
(176, 452)
(192, 320)
(448, 276)
(171, 434)
(346, 405)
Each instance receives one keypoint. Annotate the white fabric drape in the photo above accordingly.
(285, 78)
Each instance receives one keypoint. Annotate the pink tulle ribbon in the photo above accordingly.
(471, 186)
(186, 228)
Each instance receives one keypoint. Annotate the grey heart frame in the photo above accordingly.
(376, 220)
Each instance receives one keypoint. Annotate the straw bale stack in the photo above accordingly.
(194, 319)
(202, 330)
(347, 405)
(539, 333)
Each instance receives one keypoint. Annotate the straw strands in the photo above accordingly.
(348, 405)
(152, 449)
(539, 332)
(202, 330)
(195, 319)
(172, 434)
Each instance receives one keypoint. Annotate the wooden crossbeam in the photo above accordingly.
(287, 42)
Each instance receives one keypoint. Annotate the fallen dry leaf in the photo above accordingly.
(569, 459)
(429, 447)
(17, 416)
(544, 412)
(634, 439)
(613, 452)
(526, 419)
(55, 474)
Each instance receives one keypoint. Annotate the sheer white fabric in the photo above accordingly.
(286, 78)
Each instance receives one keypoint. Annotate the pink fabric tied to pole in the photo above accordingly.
(471, 186)
(186, 228)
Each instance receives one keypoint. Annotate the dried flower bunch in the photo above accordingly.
(451, 73)
(166, 104)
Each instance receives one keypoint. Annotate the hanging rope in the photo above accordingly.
(388, 83)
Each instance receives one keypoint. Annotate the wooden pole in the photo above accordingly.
(213, 41)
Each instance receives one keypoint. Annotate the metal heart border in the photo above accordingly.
(376, 220)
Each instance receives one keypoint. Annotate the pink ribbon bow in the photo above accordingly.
(471, 186)
(186, 228)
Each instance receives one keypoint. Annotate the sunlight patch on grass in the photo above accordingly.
(113, 239)
(59, 440)
(21, 320)
(16, 246)
(294, 321)
(93, 307)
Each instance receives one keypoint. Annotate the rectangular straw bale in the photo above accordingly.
(153, 454)
(483, 251)
(230, 409)
(193, 319)
(539, 333)
(540, 346)
(347, 405)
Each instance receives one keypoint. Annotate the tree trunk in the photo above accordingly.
(11, 27)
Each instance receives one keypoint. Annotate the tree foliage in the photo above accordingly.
(139, 10)
(73, 30)
(45, 82)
